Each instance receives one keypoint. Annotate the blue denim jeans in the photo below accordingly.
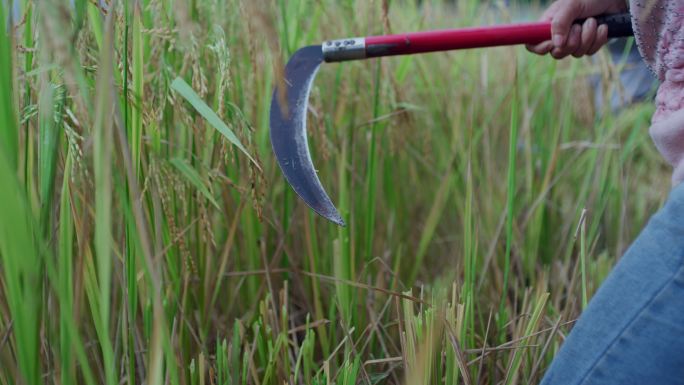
(632, 332)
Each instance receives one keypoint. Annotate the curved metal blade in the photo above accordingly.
(288, 132)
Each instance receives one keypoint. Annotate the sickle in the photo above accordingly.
(288, 132)
(288, 122)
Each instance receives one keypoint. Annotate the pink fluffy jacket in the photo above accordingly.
(659, 30)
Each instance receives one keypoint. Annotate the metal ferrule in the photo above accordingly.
(344, 49)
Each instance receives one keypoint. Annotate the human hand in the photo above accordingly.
(575, 39)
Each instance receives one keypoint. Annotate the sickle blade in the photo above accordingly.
(288, 132)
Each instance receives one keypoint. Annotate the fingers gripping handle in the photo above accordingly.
(619, 25)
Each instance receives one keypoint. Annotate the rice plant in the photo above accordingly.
(148, 236)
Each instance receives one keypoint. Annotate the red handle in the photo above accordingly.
(444, 40)
(619, 25)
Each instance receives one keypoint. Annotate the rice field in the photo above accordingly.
(147, 235)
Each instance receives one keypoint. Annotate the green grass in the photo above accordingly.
(148, 236)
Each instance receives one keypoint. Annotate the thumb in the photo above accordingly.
(562, 21)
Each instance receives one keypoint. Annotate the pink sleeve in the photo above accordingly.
(659, 30)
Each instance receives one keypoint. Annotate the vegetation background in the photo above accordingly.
(485, 198)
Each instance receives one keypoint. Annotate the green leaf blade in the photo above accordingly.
(207, 113)
(194, 177)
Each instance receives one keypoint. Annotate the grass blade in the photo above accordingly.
(103, 150)
(207, 113)
(194, 177)
(8, 134)
(138, 88)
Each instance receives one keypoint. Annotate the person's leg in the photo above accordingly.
(632, 332)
